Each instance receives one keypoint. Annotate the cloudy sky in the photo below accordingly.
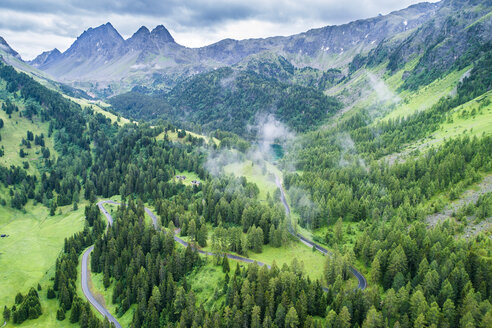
(33, 26)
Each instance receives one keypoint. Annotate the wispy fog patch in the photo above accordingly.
(229, 82)
(382, 91)
(138, 66)
(271, 131)
(268, 131)
(348, 152)
(218, 159)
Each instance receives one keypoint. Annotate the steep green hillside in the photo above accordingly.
(231, 100)
(36, 210)
(389, 171)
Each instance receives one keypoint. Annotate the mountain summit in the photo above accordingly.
(161, 34)
(147, 43)
(102, 41)
(45, 58)
(100, 57)
(7, 49)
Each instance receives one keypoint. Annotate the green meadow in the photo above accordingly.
(262, 176)
(28, 254)
(13, 131)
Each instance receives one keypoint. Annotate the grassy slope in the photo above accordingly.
(49, 308)
(264, 179)
(35, 240)
(98, 107)
(413, 101)
(28, 255)
(463, 122)
(426, 96)
(173, 136)
(14, 129)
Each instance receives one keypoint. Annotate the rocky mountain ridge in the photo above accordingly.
(153, 58)
(8, 49)
(102, 62)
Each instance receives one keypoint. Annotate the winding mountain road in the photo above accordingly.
(85, 274)
(85, 260)
(87, 292)
(360, 277)
(101, 309)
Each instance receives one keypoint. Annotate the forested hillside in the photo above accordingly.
(231, 100)
(272, 192)
(428, 276)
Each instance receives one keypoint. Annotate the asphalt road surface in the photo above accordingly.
(360, 277)
(87, 292)
(99, 307)
(85, 258)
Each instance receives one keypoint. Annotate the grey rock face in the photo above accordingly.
(161, 35)
(45, 58)
(7, 49)
(100, 42)
(101, 56)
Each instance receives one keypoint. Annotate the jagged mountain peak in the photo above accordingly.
(45, 58)
(6, 48)
(143, 30)
(102, 41)
(103, 31)
(161, 34)
(142, 33)
(140, 41)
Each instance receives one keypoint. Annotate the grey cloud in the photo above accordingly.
(198, 12)
(189, 12)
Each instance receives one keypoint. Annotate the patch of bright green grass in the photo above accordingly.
(207, 282)
(312, 262)
(98, 107)
(173, 136)
(425, 97)
(190, 176)
(470, 118)
(482, 19)
(14, 129)
(473, 118)
(395, 80)
(35, 240)
(97, 288)
(263, 177)
(48, 307)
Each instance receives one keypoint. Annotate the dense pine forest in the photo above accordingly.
(428, 278)
(290, 188)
